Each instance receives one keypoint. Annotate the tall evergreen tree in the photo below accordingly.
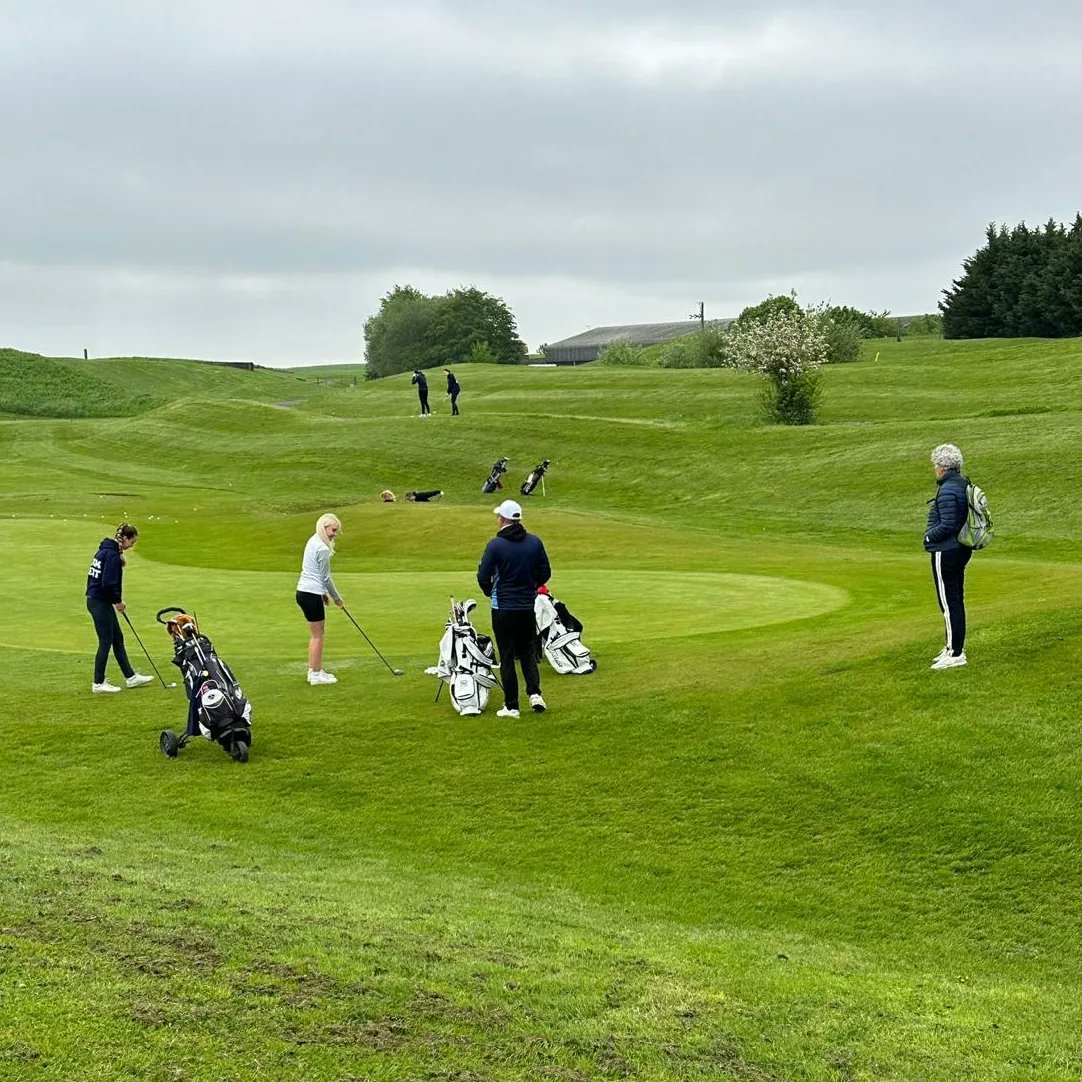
(1022, 283)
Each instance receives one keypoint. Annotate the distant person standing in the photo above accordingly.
(422, 390)
(104, 601)
(947, 512)
(452, 389)
(316, 590)
(512, 567)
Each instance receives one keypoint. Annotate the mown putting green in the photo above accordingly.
(253, 613)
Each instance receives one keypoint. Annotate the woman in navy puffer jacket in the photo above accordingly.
(946, 516)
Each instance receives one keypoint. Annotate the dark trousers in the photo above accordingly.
(423, 396)
(454, 403)
(110, 637)
(515, 631)
(949, 576)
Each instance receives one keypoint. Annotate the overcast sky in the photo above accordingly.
(234, 179)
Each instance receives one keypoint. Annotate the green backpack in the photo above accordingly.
(978, 531)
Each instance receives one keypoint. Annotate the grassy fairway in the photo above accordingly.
(762, 842)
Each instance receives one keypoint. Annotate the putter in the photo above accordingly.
(394, 672)
(127, 619)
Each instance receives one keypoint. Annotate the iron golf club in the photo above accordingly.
(145, 651)
(394, 672)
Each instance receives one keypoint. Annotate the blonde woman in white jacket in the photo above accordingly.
(316, 590)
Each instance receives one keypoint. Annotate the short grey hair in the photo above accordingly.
(947, 456)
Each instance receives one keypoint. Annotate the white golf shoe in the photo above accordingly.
(103, 688)
(537, 703)
(137, 681)
(950, 661)
(507, 712)
(322, 677)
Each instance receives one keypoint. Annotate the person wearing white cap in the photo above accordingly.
(512, 567)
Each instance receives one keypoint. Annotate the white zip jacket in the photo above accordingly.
(316, 569)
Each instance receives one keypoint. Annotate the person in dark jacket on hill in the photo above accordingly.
(104, 600)
(512, 567)
(422, 390)
(453, 389)
(947, 513)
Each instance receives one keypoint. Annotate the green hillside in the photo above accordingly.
(763, 841)
(36, 386)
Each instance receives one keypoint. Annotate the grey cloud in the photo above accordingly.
(352, 140)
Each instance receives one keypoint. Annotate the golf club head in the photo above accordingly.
(398, 672)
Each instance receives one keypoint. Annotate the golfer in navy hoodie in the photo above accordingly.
(512, 567)
(104, 600)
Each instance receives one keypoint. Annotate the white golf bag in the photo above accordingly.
(466, 662)
(559, 637)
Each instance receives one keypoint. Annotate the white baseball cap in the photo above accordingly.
(508, 509)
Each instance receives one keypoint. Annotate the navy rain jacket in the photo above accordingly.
(946, 513)
(512, 567)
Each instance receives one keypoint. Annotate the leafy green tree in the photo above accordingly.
(870, 324)
(845, 342)
(399, 337)
(412, 330)
(759, 313)
(468, 317)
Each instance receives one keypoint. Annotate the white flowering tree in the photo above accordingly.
(786, 347)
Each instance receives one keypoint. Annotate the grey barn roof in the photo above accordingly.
(586, 346)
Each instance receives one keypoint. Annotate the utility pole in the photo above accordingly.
(700, 315)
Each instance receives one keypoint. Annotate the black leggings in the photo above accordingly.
(454, 403)
(515, 632)
(110, 637)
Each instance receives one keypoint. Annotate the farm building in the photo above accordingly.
(586, 346)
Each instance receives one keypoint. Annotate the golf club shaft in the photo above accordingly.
(394, 671)
(145, 650)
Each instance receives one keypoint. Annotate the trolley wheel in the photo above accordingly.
(169, 743)
(239, 754)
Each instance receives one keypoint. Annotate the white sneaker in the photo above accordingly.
(942, 654)
(138, 681)
(105, 686)
(950, 661)
(322, 677)
(507, 712)
(537, 703)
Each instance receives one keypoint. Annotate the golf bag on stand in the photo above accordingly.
(466, 663)
(217, 708)
(494, 482)
(559, 637)
(537, 474)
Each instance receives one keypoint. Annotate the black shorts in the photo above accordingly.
(312, 606)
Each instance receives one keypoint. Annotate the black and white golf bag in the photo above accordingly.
(537, 476)
(467, 661)
(559, 637)
(217, 708)
(494, 481)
